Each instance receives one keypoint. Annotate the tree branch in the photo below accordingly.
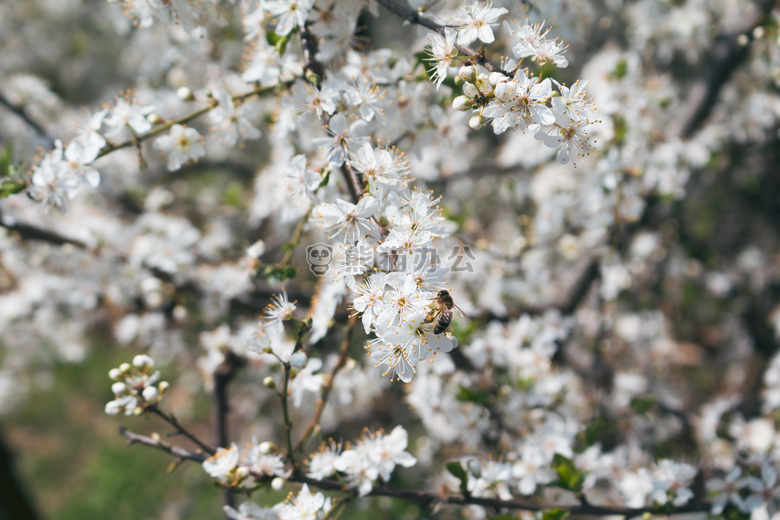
(428, 498)
(157, 443)
(22, 114)
(170, 419)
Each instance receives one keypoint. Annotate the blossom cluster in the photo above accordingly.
(137, 386)
(375, 455)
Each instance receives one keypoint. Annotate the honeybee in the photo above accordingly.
(441, 314)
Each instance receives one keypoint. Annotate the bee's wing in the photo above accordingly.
(460, 311)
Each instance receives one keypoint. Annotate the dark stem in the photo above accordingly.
(22, 113)
(427, 498)
(15, 503)
(224, 373)
(170, 419)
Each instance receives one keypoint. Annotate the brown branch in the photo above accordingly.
(414, 17)
(728, 53)
(329, 384)
(170, 419)
(223, 374)
(29, 232)
(24, 116)
(176, 451)
(428, 498)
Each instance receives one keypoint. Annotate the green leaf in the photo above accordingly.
(555, 514)
(569, 477)
(460, 473)
(10, 187)
(472, 395)
(641, 405)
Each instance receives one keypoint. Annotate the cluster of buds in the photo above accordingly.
(136, 387)
(477, 93)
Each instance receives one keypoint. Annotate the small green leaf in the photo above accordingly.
(555, 514)
(641, 405)
(10, 187)
(569, 477)
(472, 395)
(458, 472)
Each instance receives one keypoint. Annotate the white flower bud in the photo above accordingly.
(256, 250)
(150, 393)
(269, 382)
(119, 388)
(124, 368)
(470, 90)
(477, 122)
(114, 373)
(266, 447)
(467, 73)
(475, 468)
(277, 484)
(113, 408)
(143, 361)
(496, 77)
(163, 387)
(462, 103)
(299, 360)
(155, 118)
(185, 94)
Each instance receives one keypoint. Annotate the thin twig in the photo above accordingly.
(29, 232)
(22, 114)
(427, 498)
(170, 419)
(176, 451)
(414, 17)
(328, 383)
(302, 330)
(137, 140)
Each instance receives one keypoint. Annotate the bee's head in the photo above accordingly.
(443, 293)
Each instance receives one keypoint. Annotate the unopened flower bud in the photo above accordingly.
(470, 90)
(124, 368)
(163, 387)
(119, 388)
(266, 447)
(143, 361)
(475, 468)
(112, 408)
(477, 122)
(496, 77)
(114, 373)
(155, 118)
(150, 393)
(185, 94)
(256, 250)
(462, 103)
(467, 73)
(277, 484)
(138, 410)
(269, 382)
(299, 359)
